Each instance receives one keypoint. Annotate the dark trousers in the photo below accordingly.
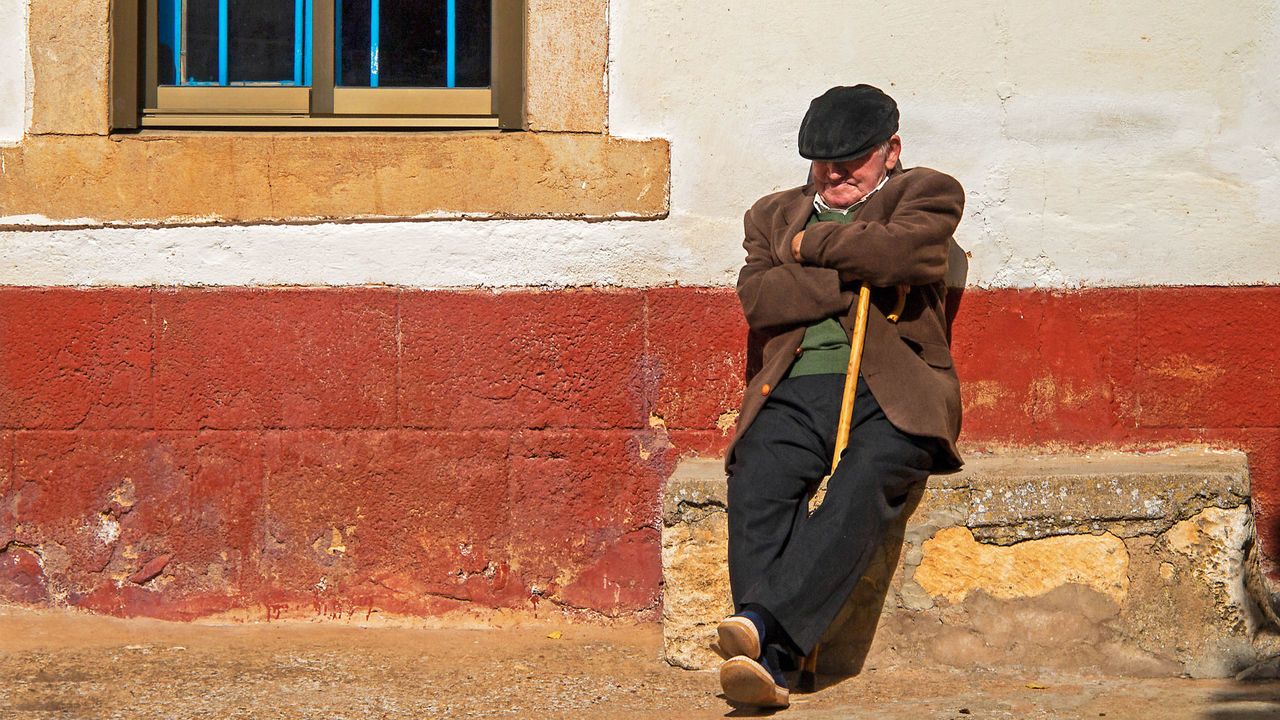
(801, 568)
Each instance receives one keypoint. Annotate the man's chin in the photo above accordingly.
(841, 199)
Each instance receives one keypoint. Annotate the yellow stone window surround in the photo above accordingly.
(71, 169)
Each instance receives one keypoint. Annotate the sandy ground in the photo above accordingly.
(69, 665)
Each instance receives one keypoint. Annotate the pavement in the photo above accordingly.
(59, 664)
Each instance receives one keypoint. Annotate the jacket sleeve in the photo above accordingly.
(910, 248)
(781, 294)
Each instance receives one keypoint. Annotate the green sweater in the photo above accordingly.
(825, 347)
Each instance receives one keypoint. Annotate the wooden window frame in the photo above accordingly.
(139, 101)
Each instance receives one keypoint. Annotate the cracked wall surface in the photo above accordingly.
(181, 453)
(554, 417)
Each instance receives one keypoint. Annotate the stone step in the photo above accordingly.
(1120, 563)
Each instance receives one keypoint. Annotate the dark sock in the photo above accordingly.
(764, 620)
(775, 653)
(772, 661)
(769, 628)
(752, 613)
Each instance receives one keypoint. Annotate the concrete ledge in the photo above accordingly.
(1119, 563)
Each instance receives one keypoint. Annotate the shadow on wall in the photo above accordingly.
(847, 642)
(1272, 565)
(957, 278)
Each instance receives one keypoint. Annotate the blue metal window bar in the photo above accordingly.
(302, 22)
(375, 32)
(451, 25)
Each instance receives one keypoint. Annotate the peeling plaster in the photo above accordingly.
(108, 529)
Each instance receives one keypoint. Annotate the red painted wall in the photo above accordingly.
(183, 452)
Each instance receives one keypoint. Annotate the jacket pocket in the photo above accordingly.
(934, 354)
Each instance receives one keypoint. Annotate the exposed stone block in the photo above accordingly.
(253, 177)
(568, 55)
(695, 573)
(954, 564)
(1112, 562)
(1025, 497)
(69, 43)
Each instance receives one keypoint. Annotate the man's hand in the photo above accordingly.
(845, 275)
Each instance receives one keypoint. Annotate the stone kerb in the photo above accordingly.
(1130, 564)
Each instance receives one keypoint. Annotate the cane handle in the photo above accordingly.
(900, 305)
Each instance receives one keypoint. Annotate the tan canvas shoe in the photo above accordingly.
(747, 682)
(737, 636)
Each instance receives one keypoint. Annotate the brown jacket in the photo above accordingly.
(901, 237)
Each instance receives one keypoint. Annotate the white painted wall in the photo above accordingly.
(1100, 143)
(14, 69)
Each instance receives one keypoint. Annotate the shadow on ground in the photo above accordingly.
(1245, 702)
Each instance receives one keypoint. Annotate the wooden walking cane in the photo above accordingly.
(809, 666)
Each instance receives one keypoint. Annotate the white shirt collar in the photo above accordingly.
(821, 205)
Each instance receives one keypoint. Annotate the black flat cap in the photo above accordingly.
(845, 122)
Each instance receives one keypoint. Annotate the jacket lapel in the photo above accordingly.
(796, 214)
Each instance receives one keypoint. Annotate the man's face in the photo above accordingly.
(842, 184)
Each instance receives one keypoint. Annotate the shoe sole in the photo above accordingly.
(746, 682)
(737, 636)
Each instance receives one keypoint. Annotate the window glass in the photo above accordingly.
(248, 63)
(352, 33)
(412, 51)
(261, 42)
(474, 40)
(414, 44)
(167, 55)
(200, 33)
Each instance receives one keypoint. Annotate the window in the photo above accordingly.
(317, 63)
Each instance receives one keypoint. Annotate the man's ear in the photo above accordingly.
(895, 150)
